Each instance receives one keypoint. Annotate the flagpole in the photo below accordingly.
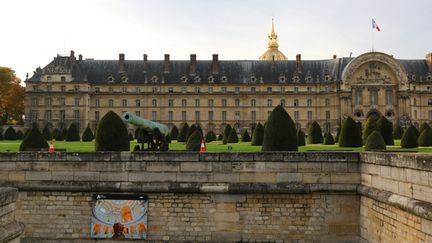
(372, 34)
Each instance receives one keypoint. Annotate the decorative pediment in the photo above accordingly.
(224, 79)
(197, 79)
(110, 78)
(183, 79)
(282, 78)
(210, 79)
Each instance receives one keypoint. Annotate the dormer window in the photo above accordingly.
(197, 79)
(253, 79)
(183, 79)
(282, 79)
(124, 79)
(296, 79)
(224, 79)
(309, 79)
(429, 78)
(110, 79)
(210, 79)
(154, 79)
(327, 77)
(63, 79)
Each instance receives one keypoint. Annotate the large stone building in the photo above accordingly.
(241, 93)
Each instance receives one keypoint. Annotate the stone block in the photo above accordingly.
(309, 167)
(422, 193)
(258, 177)
(335, 167)
(236, 156)
(405, 189)
(121, 156)
(62, 175)
(111, 166)
(33, 166)
(294, 156)
(228, 198)
(146, 156)
(8, 157)
(17, 176)
(366, 179)
(196, 166)
(342, 156)
(8, 166)
(226, 177)
(345, 178)
(248, 166)
(426, 226)
(281, 166)
(38, 175)
(113, 176)
(194, 177)
(152, 176)
(289, 177)
(353, 166)
(226, 217)
(163, 166)
(179, 156)
(135, 166)
(316, 157)
(224, 236)
(27, 156)
(209, 157)
(268, 156)
(222, 166)
(316, 177)
(86, 176)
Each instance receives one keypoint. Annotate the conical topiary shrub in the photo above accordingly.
(19, 135)
(191, 130)
(369, 127)
(416, 131)
(398, 132)
(425, 139)
(46, 133)
(245, 136)
(64, 133)
(350, 134)
(233, 138)
(220, 137)
(88, 135)
(33, 141)
(315, 134)
(9, 134)
(409, 138)
(1, 135)
(210, 137)
(280, 133)
(194, 141)
(55, 133)
(423, 126)
(111, 134)
(360, 128)
(59, 135)
(73, 133)
(338, 134)
(183, 133)
(174, 133)
(375, 142)
(385, 127)
(226, 133)
(258, 135)
(328, 139)
(301, 141)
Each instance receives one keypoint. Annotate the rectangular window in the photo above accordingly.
(210, 89)
(224, 102)
(210, 116)
(327, 115)
(296, 115)
(47, 101)
(224, 116)
(137, 103)
(62, 115)
(34, 101)
(309, 115)
(415, 114)
(373, 97)
(154, 102)
(309, 102)
(110, 103)
(170, 116)
(327, 102)
(170, 103)
(184, 103)
(224, 89)
(197, 116)
(76, 87)
(63, 88)
(237, 115)
(124, 103)
(296, 89)
(138, 90)
(269, 102)
(253, 116)
(62, 101)
(76, 115)
(48, 115)
(389, 97)
(154, 115)
(197, 90)
(63, 79)
(184, 117)
(97, 115)
(77, 101)
(237, 89)
(237, 102)
(269, 90)
(170, 90)
(296, 103)
(358, 97)
(138, 113)
(210, 103)
(197, 103)
(282, 89)
(124, 89)
(183, 89)
(253, 90)
(97, 103)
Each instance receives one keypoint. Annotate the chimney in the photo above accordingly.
(334, 56)
(167, 63)
(145, 63)
(121, 63)
(193, 64)
(215, 64)
(429, 61)
(80, 57)
(72, 57)
(298, 63)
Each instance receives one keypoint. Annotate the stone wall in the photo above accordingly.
(10, 229)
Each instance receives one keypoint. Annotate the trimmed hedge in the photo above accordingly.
(258, 135)
(111, 134)
(338, 133)
(131, 137)
(174, 133)
(375, 141)
(245, 136)
(227, 132)
(46, 133)
(194, 141)
(315, 134)
(19, 135)
(423, 126)
(10, 134)
(220, 137)
(398, 132)
(328, 139)
(210, 137)
(350, 134)
(409, 138)
(280, 133)
(64, 133)
(183, 133)
(233, 137)
(34, 140)
(385, 127)
(301, 141)
(73, 133)
(425, 139)
(369, 127)
(88, 135)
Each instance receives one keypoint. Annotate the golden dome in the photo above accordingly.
(273, 53)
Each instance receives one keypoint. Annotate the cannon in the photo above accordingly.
(154, 133)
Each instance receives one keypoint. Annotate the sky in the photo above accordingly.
(33, 32)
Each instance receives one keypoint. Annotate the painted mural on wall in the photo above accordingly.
(119, 216)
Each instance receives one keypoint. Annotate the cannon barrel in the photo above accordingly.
(148, 125)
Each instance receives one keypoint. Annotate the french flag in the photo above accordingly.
(375, 26)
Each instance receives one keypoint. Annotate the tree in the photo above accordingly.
(174, 133)
(1, 134)
(226, 134)
(245, 136)
(194, 141)
(220, 137)
(111, 134)
(315, 134)
(385, 127)
(46, 133)
(280, 133)
(369, 127)
(10, 134)
(423, 126)
(191, 130)
(258, 135)
(19, 135)
(33, 140)
(425, 139)
(375, 141)
(409, 138)
(73, 133)
(328, 139)
(350, 134)
(301, 141)
(360, 128)
(183, 133)
(398, 132)
(11, 97)
(87, 135)
(210, 137)
(58, 134)
(233, 138)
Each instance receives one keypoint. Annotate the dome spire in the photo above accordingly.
(273, 53)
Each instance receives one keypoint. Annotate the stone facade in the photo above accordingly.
(10, 229)
(241, 93)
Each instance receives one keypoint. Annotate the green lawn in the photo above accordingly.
(216, 146)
